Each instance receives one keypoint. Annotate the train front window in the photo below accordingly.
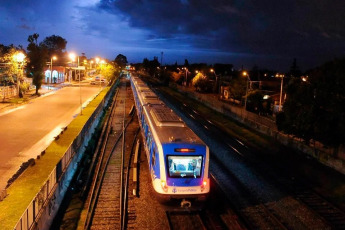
(185, 166)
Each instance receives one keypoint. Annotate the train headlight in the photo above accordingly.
(203, 185)
(164, 186)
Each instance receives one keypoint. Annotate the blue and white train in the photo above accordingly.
(178, 159)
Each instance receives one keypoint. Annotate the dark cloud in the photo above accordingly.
(310, 30)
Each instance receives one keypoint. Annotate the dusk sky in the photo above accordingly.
(265, 33)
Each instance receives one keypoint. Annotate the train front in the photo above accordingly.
(184, 172)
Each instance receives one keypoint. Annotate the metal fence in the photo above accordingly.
(51, 194)
(8, 91)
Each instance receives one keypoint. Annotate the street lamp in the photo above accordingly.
(19, 58)
(72, 57)
(100, 82)
(185, 68)
(245, 101)
(217, 87)
(51, 69)
(281, 90)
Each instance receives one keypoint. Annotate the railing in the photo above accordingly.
(7, 91)
(46, 197)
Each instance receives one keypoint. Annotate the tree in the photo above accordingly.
(37, 56)
(237, 87)
(294, 70)
(15, 61)
(186, 63)
(109, 72)
(121, 61)
(316, 109)
(255, 102)
(151, 66)
(200, 83)
(12, 68)
(55, 45)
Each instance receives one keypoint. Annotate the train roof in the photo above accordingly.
(169, 127)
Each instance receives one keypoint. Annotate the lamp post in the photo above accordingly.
(100, 82)
(217, 84)
(185, 68)
(19, 58)
(245, 101)
(72, 57)
(51, 69)
(281, 90)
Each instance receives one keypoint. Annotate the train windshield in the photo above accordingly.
(185, 166)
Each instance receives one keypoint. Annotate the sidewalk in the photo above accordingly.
(14, 102)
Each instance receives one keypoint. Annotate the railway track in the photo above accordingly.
(185, 220)
(106, 197)
(331, 214)
(308, 209)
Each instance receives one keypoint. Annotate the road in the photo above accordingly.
(29, 129)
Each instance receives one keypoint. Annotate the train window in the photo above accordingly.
(185, 166)
(153, 157)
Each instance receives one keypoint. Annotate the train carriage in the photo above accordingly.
(178, 159)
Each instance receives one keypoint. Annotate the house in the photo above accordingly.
(58, 75)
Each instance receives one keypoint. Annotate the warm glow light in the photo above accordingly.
(102, 61)
(212, 70)
(97, 59)
(164, 186)
(72, 56)
(19, 57)
(304, 78)
(245, 73)
(184, 150)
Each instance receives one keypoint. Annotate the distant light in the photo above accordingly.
(266, 97)
(304, 78)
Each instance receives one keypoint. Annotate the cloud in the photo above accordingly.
(273, 28)
(236, 31)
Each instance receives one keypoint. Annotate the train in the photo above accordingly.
(178, 159)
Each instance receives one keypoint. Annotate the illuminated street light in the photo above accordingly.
(217, 84)
(245, 101)
(72, 57)
(19, 58)
(281, 90)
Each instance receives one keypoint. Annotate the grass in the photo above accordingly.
(25, 188)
